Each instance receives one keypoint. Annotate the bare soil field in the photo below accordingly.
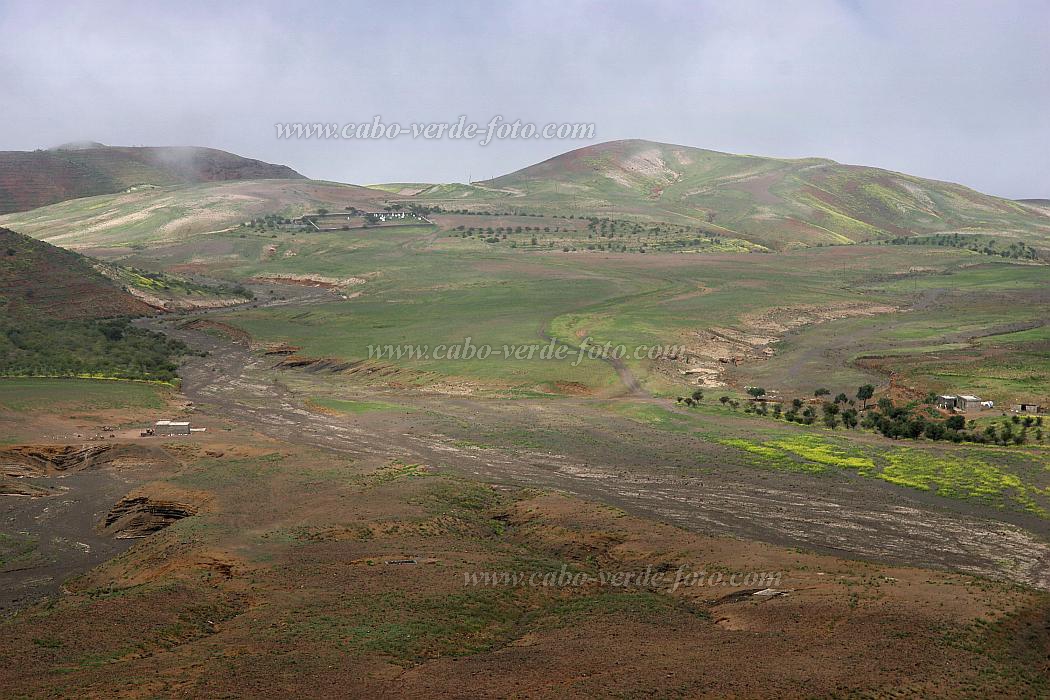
(313, 568)
(623, 463)
(412, 542)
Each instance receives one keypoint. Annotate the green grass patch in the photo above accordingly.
(958, 476)
(40, 394)
(351, 406)
(818, 451)
(807, 453)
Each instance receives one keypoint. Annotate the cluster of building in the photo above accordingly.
(333, 221)
(967, 402)
(963, 403)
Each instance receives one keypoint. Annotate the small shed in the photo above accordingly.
(172, 427)
(1027, 408)
(947, 401)
(968, 402)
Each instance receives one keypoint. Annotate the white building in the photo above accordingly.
(172, 427)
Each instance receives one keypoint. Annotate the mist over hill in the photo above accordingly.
(31, 179)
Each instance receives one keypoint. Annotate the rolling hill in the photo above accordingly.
(780, 203)
(61, 317)
(166, 214)
(31, 179)
(42, 280)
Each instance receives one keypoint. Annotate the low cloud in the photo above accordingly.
(955, 91)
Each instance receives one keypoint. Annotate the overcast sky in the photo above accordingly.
(956, 91)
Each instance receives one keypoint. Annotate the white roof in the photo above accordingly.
(947, 396)
(173, 422)
(967, 397)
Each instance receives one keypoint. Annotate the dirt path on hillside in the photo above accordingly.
(627, 378)
(842, 515)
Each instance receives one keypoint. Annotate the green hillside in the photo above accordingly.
(779, 203)
(168, 214)
(38, 279)
(59, 316)
(31, 179)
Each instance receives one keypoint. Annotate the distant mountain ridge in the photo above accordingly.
(773, 201)
(31, 179)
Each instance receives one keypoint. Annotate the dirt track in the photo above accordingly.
(842, 515)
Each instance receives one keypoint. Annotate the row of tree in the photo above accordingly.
(898, 422)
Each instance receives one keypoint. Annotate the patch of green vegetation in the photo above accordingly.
(819, 451)
(986, 245)
(632, 604)
(1008, 651)
(654, 415)
(219, 473)
(39, 394)
(16, 548)
(957, 476)
(353, 406)
(410, 629)
(808, 453)
(173, 286)
(466, 444)
(32, 346)
(453, 494)
(48, 642)
(756, 448)
(392, 472)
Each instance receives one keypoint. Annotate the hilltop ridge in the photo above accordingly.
(777, 202)
(31, 179)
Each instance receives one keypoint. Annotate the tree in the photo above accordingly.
(841, 398)
(935, 431)
(955, 423)
(864, 393)
(723, 400)
(821, 392)
(849, 418)
(756, 391)
(698, 395)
